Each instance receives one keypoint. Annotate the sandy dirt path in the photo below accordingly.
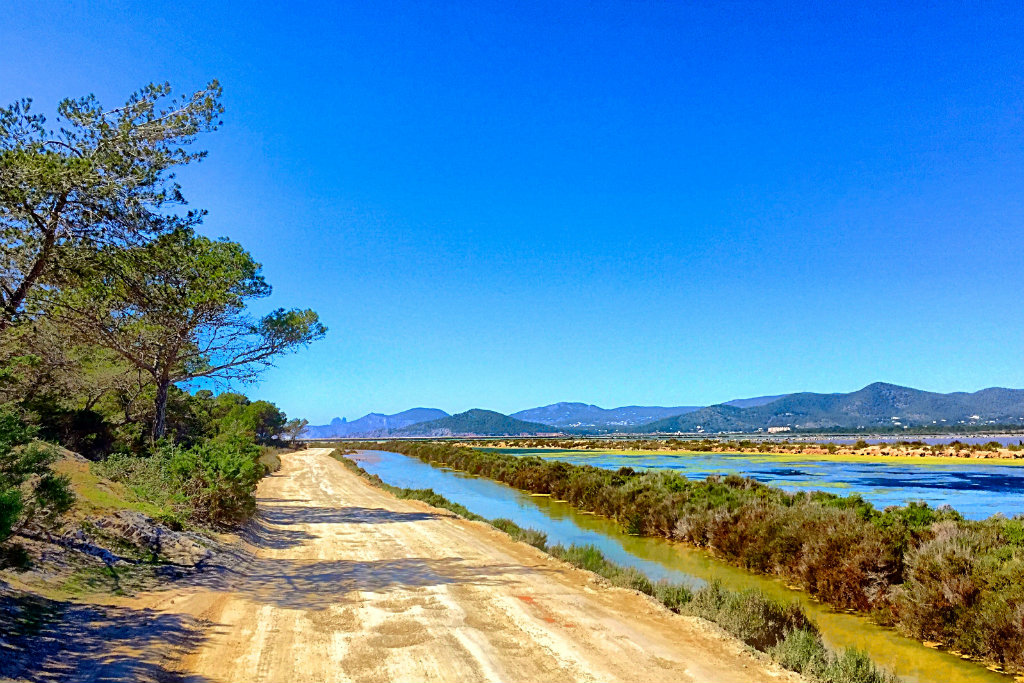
(348, 583)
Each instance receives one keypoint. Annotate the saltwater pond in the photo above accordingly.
(663, 559)
(977, 488)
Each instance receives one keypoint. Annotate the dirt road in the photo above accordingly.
(347, 583)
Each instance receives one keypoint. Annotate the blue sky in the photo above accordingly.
(504, 205)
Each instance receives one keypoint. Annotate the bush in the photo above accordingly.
(29, 488)
(851, 666)
(965, 587)
(433, 499)
(749, 615)
(148, 479)
(801, 651)
(673, 595)
(583, 556)
(211, 483)
(218, 479)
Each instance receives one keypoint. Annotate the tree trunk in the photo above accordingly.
(14, 299)
(160, 420)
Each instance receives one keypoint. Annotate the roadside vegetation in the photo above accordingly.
(930, 573)
(111, 301)
(783, 631)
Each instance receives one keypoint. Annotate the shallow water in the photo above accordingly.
(976, 488)
(662, 559)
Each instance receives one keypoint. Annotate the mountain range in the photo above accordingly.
(585, 415)
(877, 405)
(373, 424)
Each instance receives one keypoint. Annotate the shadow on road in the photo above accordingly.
(320, 584)
(270, 527)
(287, 515)
(50, 640)
(313, 584)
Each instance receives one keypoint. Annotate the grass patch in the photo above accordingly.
(136, 483)
(92, 580)
(96, 494)
(538, 539)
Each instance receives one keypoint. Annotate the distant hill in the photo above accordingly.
(373, 424)
(475, 422)
(586, 415)
(753, 402)
(876, 405)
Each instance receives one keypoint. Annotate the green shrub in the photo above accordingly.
(14, 556)
(218, 479)
(673, 595)
(149, 480)
(29, 488)
(801, 651)
(749, 615)
(851, 666)
(433, 499)
(583, 556)
(634, 579)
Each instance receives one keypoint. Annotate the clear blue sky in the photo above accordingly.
(504, 205)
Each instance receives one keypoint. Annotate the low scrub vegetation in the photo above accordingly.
(783, 631)
(211, 483)
(756, 620)
(802, 651)
(930, 573)
(538, 539)
(29, 488)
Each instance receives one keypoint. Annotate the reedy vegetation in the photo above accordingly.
(930, 573)
(783, 631)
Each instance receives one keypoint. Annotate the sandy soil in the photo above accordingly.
(346, 583)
